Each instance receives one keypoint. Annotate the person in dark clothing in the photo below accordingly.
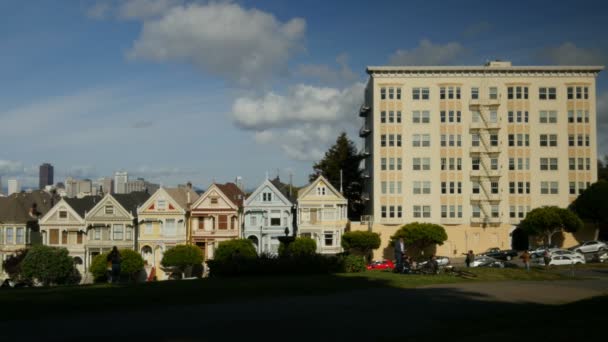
(114, 258)
(399, 254)
(469, 258)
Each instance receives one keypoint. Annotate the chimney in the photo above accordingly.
(189, 185)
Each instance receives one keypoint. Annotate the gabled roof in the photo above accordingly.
(16, 207)
(180, 195)
(273, 186)
(83, 205)
(131, 201)
(233, 193)
(290, 194)
(312, 185)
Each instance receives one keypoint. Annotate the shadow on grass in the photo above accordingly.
(294, 308)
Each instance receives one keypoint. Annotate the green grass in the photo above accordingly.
(39, 302)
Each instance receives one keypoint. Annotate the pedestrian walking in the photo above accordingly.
(114, 259)
(547, 258)
(525, 258)
(399, 254)
(470, 257)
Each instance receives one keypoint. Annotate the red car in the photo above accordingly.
(381, 265)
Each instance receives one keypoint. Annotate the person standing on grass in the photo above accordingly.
(114, 258)
(547, 258)
(525, 257)
(468, 260)
(399, 254)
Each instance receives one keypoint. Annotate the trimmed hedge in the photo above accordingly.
(131, 264)
(354, 264)
(235, 249)
(301, 246)
(182, 256)
(49, 265)
(360, 242)
(265, 265)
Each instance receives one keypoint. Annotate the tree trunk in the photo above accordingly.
(596, 234)
(549, 235)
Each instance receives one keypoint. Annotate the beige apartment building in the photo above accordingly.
(474, 148)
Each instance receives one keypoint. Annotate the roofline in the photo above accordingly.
(476, 68)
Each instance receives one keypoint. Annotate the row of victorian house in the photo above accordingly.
(152, 223)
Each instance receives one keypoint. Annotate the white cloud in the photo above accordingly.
(143, 9)
(225, 39)
(428, 53)
(304, 121)
(327, 74)
(570, 54)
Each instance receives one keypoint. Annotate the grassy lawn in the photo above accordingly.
(17, 303)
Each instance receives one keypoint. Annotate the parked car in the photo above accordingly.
(482, 260)
(600, 257)
(542, 248)
(496, 253)
(442, 261)
(590, 247)
(571, 254)
(559, 260)
(381, 265)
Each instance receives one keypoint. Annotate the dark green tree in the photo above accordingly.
(343, 155)
(12, 264)
(131, 264)
(592, 204)
(300, 247)
(182, 257)
(420, 236)
(235, 249)
(360, 242)
(48, 265)
(549, 220)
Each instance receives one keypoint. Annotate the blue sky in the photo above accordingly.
(176, 90)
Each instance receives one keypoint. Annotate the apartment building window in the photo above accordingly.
(421, 164)
(476, 211)
(570, 116)
(512, 211)
(571, 140)
(391, 164)
(391, 140)
(493, 139)
(383, 211)
(422, 187)
(475, 163)
(571, 164)
(394, 117)
(511, 164)
(587, 140)
(475, 93)
(422, 211)
(548, 164)
(581, 93)
(398, 93)
(451, 140)
(548, 116)
(382, 93)
(383, 140)
(475, 116)
(586, 116)
(421, 116)
(399, 164)
(493, 93)
(383, 186)
(548, 140)
(398, 116)
(588, 163)
(579, 139)
(391, 93)
(519, 140)
(581, 165)
(545, 93)
(547, 188)
(117, 231)
(475, 187)
(494, 163)
(420, 93)
(494, 187)
(512, 187)
(451, 187)
(493, 116)
(579, 116)
(495, 211)
(581, 189)
(517, 93)
(517, 116)
(450, 116)
(572, 188)
(383, 164)
(444, 165)
(474, 139)
(449, 93)
(421, 140)
(383, 117)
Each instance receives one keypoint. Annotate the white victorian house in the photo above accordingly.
(322, 215)
(268, 214)
(65, 226)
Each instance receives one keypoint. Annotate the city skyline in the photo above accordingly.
(221, 115)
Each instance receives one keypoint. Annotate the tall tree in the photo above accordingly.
(420, 236)
(343, 155)
(550, 220)
(592, 205)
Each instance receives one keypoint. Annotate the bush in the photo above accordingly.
(131, 264)
(182, 257)
(302, 246)
(360, 242)
(12, 264)
(417, 237)
(235, 249)
(354, 264)
(48, 265)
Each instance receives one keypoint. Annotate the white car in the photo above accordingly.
(482, 260)
(574, 255)
(590, 247)
(559, 260)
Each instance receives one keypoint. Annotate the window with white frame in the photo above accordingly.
(253, 220)
(128, 233)
(329, 214)
(548, 140)
(10, 238)
(321, 190)
(97, 235)
(420, 93)
(383, 116)
(495, 211)
(421, 116)
(517, 93)
(475, 211)
(547, 188)
(117, 232)
(382, 93)
(474, 93)
(493, 91)
(547, 93)
(63, 214)
(548, 116)
(475, 187)
(169, 228)
(19, 235)
(109, 210)
(266, 197)
(148, 228)
(328, 239)
(383, 212)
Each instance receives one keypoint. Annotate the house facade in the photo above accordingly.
(112, 222)
(267, 215)
(65, 226)
(164, 222)
(216, 217)
(322, 215)
(19, 221)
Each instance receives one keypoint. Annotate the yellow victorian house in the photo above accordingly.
(322, 215)
(164, 223)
